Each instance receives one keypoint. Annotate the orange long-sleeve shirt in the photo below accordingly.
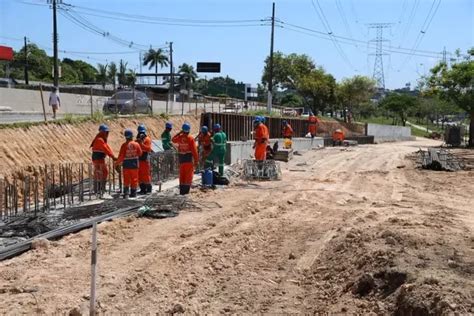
(100, 149)
(186, 147)
(130, 152)
(287, 131)
(261, 134)
(145, 146)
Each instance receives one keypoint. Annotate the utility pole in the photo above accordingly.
(171, 72)
(55, 45)
(270, 77)
(26, 62)
(444, 56)
(378, 75)
(140, 63)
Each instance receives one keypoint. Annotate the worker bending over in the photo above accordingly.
(188, 157)
(204, 139)
(144, 174)
(100, 149)
(338, 137)
(287, 131)
(130, 152)
(261, 138)
(313, 122)
(219, 148)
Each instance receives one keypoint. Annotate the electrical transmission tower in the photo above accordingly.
(378, 64)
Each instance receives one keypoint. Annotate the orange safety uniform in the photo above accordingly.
(312, 125)
(338, 136)
(261, 136)
(144, 175)
(188, 158)
(287, 131)
(130, 152)
(100, 149)
(206, 145)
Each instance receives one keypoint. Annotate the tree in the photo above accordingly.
(455, 83)
(292, 100)
(131, 78)
(352, 92)
(187, 76)
(85, 72)
(318, 89)
(287, 69)
(122, 72)
(69, 74)
(399, 105)
(155, 58)
(39, 64)
(102, 76)
(112, 74)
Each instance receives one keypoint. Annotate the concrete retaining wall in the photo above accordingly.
(388, 133)
(243, 150)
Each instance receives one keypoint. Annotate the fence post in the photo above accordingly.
(92, 104)
(196, 111)
(42, 101)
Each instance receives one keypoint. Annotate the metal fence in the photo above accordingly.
(59, 186)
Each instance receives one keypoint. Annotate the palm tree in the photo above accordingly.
(131, 78)
(112, 74)
(153, 58)
(122, 72)
(187, 76)
(102, 76)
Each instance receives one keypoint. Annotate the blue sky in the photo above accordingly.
(241, 50)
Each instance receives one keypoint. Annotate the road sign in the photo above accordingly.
(208, 67)
(6, 53)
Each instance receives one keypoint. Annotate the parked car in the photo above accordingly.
(122, 103)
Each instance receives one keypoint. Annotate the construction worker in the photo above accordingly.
(219, 142)
(130, 152)
(188, 158)
(100, 149)
(261, 138)
(312, 125)
(338, 137)
(287, 131)
(144, 174)
(204, 139)
(166, 137)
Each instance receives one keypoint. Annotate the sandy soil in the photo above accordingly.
(52, 143)
(353, 230)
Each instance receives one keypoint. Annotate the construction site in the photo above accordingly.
(362, 228)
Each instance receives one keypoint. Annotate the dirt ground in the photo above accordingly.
(354, 230)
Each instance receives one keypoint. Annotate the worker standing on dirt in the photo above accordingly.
(338, 137)
(204, 139)
(144, 174)
(261, 139)
(100, 149)
(188, 158)
(166, 137)
(130, 152)
(287, 131)
(219, 148)
(313, 122)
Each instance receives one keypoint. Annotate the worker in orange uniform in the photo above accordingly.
(261, 139)
(100, 149)
(188, 158)
(337, 137)
(205, 144)
(312, 125)
(287, 131)
(130, 152)
(144, 174)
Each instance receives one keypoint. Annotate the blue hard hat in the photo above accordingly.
(168, 125)
(258, 119)
(262, 119)
(103, 128)
(141, 128)
(186, 127)
(217, 127)
(204, 129)
(128, 133)
(284, 122)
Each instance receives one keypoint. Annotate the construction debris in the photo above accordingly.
(283, 155)
(440, 160)
(261, 170)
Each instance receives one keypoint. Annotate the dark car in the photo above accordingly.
(123, 102)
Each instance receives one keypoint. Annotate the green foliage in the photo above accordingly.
(69, 74)
(122, 72)
(292, 100)
(155, 58)
(102, 76)
(83, 71)
(399, 105)
(112, 73)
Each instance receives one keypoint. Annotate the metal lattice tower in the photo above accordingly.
(378, 64)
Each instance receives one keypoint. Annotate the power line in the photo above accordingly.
(343, 16)
(410, 21)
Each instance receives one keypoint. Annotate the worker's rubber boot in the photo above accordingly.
(125, 192)
(184, 189)
(133, 193)
(143, 189)
(149, 188)
(103, 186)
(96, 186)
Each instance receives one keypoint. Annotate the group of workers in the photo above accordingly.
(134, 160)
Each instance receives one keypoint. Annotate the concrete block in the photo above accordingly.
(388, 133)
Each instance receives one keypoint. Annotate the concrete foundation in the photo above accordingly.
(388, 133)
(243, 150)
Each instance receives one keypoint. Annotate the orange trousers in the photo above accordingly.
(144, 175)
(100, 170)
(130, 178)
(186, 172)
(261, 151)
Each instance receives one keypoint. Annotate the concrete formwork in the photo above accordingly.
(388, 133)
